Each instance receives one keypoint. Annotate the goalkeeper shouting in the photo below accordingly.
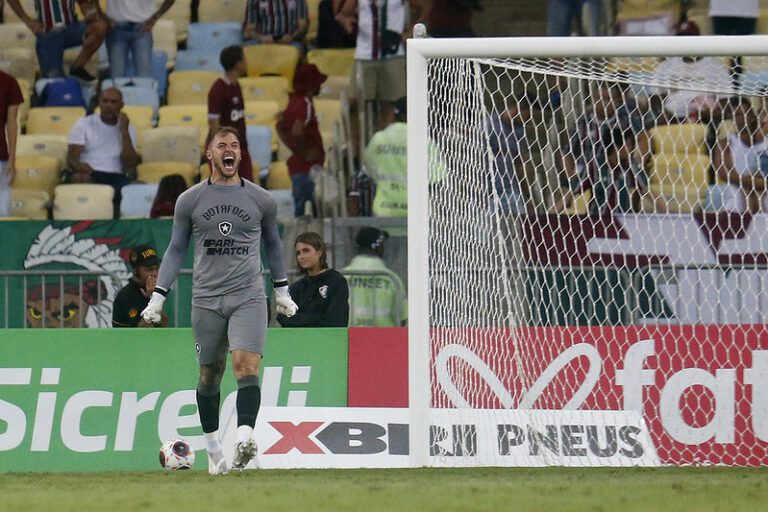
(228, 216)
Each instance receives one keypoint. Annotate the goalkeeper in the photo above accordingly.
(228, 217)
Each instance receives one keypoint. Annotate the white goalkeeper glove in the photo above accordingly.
(153, 313)
(284, 303)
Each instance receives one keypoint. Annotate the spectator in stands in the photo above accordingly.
(736, 160)
(102, 146)
(168, 191)
(584, 158)
(562, 13)
(694, 106)
(321, 294)
(130, 33)
(226, 106)
(57, 28)
(277, 21)
(387, 164)
(376, 294)
(330, 33)
(446, 18)
(10, 99)
(379, 73)
(134, 296)
(509, 146)
(298, 129)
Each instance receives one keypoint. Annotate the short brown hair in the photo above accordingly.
(313, 240)
(222, 130)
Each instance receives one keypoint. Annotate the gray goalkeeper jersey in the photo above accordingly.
(227, 224)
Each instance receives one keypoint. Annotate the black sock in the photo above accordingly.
(208, 409)
(248, 400)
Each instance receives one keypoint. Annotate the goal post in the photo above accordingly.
(581, 293)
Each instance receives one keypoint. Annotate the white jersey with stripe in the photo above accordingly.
(227, 223)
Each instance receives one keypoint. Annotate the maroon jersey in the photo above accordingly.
(301, 109)
(225, 103)
(10, 94)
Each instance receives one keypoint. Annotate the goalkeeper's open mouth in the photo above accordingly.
(229, 162)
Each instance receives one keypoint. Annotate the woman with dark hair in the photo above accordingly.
(168, 191)
(322, 294)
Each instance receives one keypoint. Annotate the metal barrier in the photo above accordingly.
(81, 298)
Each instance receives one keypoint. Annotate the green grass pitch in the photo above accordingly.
(394, 490)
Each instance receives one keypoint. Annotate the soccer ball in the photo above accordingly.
(176, 454)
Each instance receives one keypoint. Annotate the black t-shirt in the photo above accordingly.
(323, 301)
(128, 305)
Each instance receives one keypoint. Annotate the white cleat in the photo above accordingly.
(217, 465)
(244, 452)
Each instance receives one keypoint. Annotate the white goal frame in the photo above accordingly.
(419, 51)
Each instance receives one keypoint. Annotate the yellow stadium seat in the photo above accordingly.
(30, 203)
(680, 170)
(679, 198)
(181, 14)
(19, 62)
(53, 120)
(272, 59)
(41, 172)
(278, 176)
(153, 172)
(10, 17)
(26, 91)
(580, 204)
(259, 88)
(49, 145)
(205, 171)
(174, 143)
(190, 87)
(328, 113)
(631, 64)
(333, 61)
(165, 37)
(16, 35)
(679, 138)
(92, 66)
(211, 11)
(725, 128)
(186, 115)
(83, 202)
(313, 13)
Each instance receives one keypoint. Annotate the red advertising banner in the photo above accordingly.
(702, 389)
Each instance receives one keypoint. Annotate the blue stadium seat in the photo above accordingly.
(259, 144)
(204, 60)
(159, 70)
(146, 83)
(137, 199)
(214, 36)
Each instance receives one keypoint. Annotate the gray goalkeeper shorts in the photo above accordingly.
(230, 322)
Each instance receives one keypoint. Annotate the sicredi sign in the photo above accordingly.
(79, 400)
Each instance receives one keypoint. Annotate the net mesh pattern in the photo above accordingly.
(598, 243)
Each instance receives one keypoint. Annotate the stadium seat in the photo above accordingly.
(278, 176)
(92, 66)
(328, 113)
(186, 115)
(262, 112)
(136, 200)
(679, 138)
(153, 172)
(136, 81)
(679, 198)
(313, 13)
(159, 71)
(190, 87)
(134, 95)
(677, 170)
(47, 145)
(176, 143)
(259, 144)
(333, 61)
(272, 59)
(16, 35)
(26, 91)
(30, 203)
(53, 120)
(213, 36)
(83, 202)
(273, 88)
(198, 60)
(725, 128)
(580, 204)
(19, 62)
(165, 38)
(221, 10)
(205, 171)
(284, 199)
(40, 172)
(10, 17)
(181, 14)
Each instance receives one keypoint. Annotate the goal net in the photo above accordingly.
(595, 225)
